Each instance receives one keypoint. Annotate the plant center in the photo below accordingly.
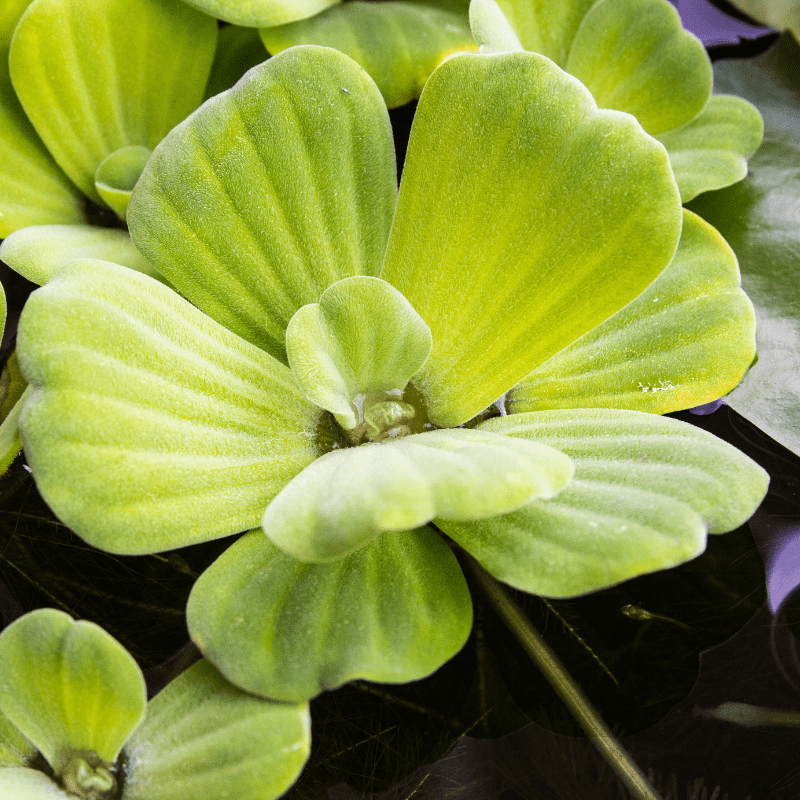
(88, 776)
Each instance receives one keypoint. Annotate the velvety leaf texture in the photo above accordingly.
(217, 212)
(491, 28)
(393, 611)
(151, 426)
(261, 13)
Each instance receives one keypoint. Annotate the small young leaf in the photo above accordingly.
(117, 174)
(635, 56)
(363, 336)
(348, 497)
(69, 686)
(151, 426)
(394, 611)
(399, 44)
(204, 738)
(248, 240)
(37, 252)
(711, 151)
(687, 340)
(646, 491)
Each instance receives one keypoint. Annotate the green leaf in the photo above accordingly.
(394, 612)
(68, 686)
(238, 50)
(760, 217)
(518, 199)
(348, 497)
(781, 14)
(33, 190)
(151, 426)
(117, 174)
(261, 13)
(687, 340)
(546, 26)
(39, 251)
(363, 336)
(10, 12)
(29, 784)
(16, 393)
(203, 737)
(491, 28)
(711, 151)
(646, 491)
(96, 77)
(247, 241)
(15, 749)
(399, 44)
(635, 56)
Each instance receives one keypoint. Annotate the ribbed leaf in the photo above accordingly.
(635, 56)
(687, 340)
(518, 201)
(29, 784)
(261, 13)
(15, 749)
(399, 44)
(203, 737)
(244, 236)
(363, 336)
(151, 426)
(69, 686)
(491, 28)
(392, 612)
(348, 497)
(39, 251)
(238, 50)
(711, 151)
(646, 491)
(96, 77)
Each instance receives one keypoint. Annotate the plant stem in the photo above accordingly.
(563, 683)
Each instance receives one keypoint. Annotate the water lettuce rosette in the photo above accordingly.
(333, 376)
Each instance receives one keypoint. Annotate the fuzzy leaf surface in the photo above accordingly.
(96, 77)
(289, 630)
(711, 151)
(203, 737)
(243, 238)
(398, 43)
(518, 201)
(69, 686)
(150, 426)
(491, 28)
(646, 491)
(687, 340)
(261, 13)
(15, 749)
(348, 497)
(117, 174)
(238, 50)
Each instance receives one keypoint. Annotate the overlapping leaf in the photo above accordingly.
(29, 784)
(519, 198)
(687, 340)
(152, 427)
(261, 13)
(242, 236)
(393, 611)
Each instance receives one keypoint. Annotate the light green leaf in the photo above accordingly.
(261, 13)
(518, 200)
(10, 442)
(781, 14)
(491, 28)
(363, 336)
(117, 174)
(635, 56)
(68, 686)
(392, 612)
(204, 738)
(29, 784)
(39, 251)
(348, 497)
(238, 50)
(711, 151)
(242, 237)
(760, 217)
(646, 491)
(687, 340)
(546, 26)
(150, 426)
(33, 190)
(96, 77)
(10, 12)
(15, 749)
(399, 44)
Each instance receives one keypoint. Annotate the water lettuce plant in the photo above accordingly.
(635, 56)
(75, 722)
(335, 373)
